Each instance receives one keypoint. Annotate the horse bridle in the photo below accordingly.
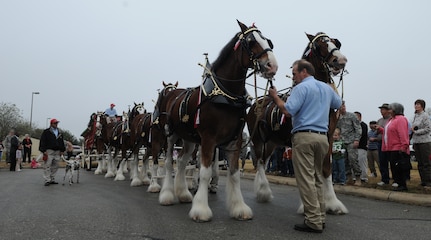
(98, 124)
(312, 46)
(169, 87)
(245, 38)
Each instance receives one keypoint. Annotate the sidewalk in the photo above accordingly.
(378, 194)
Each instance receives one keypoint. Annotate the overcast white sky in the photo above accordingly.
(81, 55)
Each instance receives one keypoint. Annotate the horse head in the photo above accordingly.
(167, 87)
(328, 50)
(100, 122)
(259, 51)
(138, 109)
(248, 49)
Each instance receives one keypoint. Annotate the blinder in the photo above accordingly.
(247, 41)
(330, 57)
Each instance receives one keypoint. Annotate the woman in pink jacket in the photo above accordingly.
(396, 141)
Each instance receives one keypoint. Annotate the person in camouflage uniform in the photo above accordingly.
(351, 131)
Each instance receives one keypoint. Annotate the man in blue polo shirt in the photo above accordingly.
(309, 105)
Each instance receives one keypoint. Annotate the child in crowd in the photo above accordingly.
(287, 157)
(34, 163)
(338, 159)
(18, 158)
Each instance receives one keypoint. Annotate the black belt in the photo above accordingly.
(310, 131)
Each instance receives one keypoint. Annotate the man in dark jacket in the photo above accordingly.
(52, 147)
(362, 149)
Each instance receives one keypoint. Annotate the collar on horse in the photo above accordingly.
(215, 92)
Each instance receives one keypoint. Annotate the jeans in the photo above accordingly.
(338, 171)
(384, 166)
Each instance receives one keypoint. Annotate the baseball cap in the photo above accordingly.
(54, 121)
(112, 105)
(384, 105)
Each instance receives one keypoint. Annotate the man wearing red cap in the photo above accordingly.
(111, 113)
(52, 147)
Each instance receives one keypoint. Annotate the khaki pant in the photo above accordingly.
(50, 166)
(363, 164)
(373, 157)
(308, 152)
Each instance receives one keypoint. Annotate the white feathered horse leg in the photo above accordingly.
(154, 183)
(100, 163)
(139, 177)
(120, 171)
(201, 211)
(125, 166)
(213, 187)
(235, 202)
(261, 184)
(143, 174)
(333, 205)
(111, 163)
(181, 188)
(167, 195)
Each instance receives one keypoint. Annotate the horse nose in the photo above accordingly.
(342, 60)
(271, 67)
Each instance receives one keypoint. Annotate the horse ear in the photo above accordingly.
(176, 84)
(337, 43)
(242, 26)
(134, 103)
(310, 37)
(164, 84)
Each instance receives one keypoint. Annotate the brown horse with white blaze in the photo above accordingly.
(269, 128)
(213, 115)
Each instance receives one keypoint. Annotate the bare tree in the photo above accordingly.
(10, 117)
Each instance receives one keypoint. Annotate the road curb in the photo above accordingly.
(372, 193)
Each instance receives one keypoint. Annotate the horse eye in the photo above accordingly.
(251, 42)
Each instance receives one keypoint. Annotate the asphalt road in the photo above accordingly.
(99, 208)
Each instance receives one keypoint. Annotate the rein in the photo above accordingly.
(258, 109)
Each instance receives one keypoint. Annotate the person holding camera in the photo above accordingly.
(421, 139)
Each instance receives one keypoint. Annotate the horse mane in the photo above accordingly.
(320, 72)
(225, 53)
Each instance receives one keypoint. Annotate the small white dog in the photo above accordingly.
(72, 166)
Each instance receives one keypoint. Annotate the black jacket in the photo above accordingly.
(48, 140)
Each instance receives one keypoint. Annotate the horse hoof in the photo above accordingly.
(335, 212)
